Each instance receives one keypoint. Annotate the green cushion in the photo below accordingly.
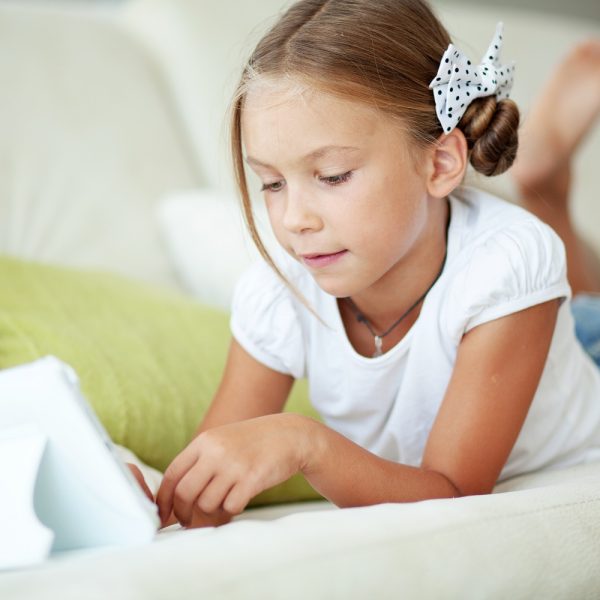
(149, 360)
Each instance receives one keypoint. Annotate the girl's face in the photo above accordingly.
(343, 196)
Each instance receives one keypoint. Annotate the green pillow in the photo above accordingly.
(148, 360)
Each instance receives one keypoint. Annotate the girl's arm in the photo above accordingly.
(248, 389)
(497, 371)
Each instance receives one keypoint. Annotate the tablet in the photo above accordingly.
(83, 491)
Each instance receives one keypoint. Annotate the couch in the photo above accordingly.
(112, 137)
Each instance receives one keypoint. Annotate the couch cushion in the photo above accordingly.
(532, 543)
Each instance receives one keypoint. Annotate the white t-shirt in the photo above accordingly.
(501, 259)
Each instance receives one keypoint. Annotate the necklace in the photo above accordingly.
(378, 337)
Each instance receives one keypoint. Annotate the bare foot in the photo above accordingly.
(559, 120)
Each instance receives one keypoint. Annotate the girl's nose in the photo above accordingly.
(300, 215)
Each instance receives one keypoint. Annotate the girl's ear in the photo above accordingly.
(447, 164)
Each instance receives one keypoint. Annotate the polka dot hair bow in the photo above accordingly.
(458, 82)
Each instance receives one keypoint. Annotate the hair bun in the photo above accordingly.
(491, 129)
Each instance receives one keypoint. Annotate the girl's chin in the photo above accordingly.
(335, 285)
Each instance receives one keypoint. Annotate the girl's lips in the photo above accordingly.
(321, 260)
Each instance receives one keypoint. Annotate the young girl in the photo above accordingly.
(432, 321)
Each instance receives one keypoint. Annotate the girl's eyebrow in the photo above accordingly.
(315, 154)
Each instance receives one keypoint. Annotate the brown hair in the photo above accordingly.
(383, 53)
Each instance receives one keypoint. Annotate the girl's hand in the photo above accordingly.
(223, 468)
(199, 519)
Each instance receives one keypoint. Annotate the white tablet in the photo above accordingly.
(83, 492)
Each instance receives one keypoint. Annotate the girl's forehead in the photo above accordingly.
(293, 106)
(283, 121)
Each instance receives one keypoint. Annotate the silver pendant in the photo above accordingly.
(378, 347)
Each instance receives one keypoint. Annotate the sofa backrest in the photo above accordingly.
(89, 141)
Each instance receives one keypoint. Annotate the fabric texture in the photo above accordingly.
(538, 539)
(149, 361)
(501, 259)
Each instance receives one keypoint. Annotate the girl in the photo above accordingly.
(431, 320)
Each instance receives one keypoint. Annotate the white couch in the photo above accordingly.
(106, 111)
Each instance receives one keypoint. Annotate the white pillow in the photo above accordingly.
(207, 242)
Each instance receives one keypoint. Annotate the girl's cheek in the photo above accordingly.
(275, 213)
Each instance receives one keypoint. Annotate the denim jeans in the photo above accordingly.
(586, 310)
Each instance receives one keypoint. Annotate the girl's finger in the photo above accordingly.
(237, 499)
(187, 491)
(214, 494)
(137, 473)
(175, 471)
(200, 519)
(172, 520)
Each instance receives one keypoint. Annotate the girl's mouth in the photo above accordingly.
(316, 261)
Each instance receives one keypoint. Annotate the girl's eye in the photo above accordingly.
(272, 187)
(337, 179)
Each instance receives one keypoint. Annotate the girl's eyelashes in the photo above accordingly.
(331, 180)
(271, 187)
(337, 179)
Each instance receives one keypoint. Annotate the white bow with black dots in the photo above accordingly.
(458, 82)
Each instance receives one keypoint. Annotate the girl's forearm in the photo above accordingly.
(348, 475)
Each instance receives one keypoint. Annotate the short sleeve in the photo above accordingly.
(512, 269)
(264, 321)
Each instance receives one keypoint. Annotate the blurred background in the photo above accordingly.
(584, 9)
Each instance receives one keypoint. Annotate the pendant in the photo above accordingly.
(378, 347)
